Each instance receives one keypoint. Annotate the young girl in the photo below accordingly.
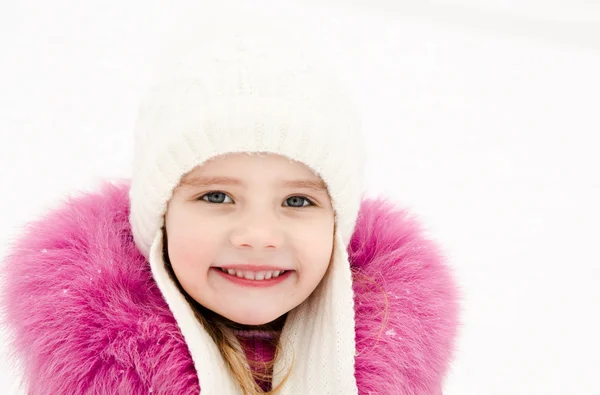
(241, 258)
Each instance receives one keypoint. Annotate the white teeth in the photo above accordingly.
(250, 275)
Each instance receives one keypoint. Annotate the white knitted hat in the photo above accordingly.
(255, 91)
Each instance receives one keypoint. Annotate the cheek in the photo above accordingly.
(191, 247)
(315, 244)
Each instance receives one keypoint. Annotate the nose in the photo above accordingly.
(258, 231)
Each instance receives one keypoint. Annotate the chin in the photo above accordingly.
(251, 317)
(251, 320)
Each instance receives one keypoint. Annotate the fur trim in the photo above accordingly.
(405, 302)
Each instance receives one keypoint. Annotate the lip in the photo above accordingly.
(252, 283)
(253, 268)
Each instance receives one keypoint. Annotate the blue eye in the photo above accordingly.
(298, 201)
(215, 197)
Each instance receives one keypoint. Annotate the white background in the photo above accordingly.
(482, 118)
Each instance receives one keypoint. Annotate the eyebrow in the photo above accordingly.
(203, 181)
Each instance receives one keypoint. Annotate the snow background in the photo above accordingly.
(482, 118)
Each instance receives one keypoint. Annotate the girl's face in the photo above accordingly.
(250, 237)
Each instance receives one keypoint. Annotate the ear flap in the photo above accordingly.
(318, 339)
(213, 374)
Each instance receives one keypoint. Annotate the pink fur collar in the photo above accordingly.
(86, 316)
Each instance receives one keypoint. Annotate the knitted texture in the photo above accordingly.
(244, 93)
(85, 315)
(255, 90)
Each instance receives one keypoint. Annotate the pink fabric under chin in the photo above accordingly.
(260, 348)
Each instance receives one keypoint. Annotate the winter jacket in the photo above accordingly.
(86, 316)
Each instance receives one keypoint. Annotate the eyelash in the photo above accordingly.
(311, 203)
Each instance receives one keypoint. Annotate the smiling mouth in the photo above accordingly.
(260, 275)
(254, 278)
